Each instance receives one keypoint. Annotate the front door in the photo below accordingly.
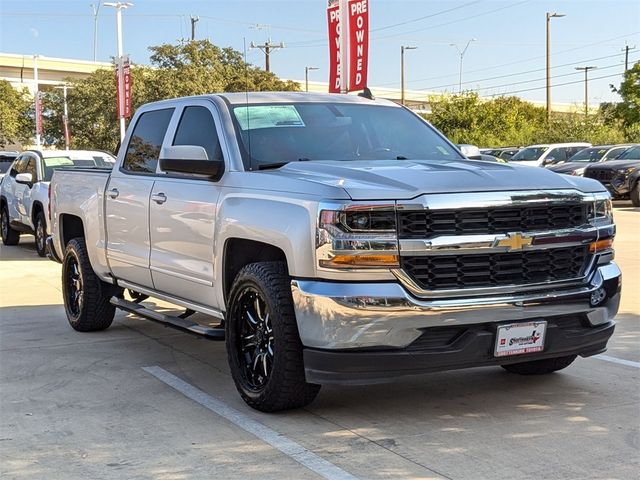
(127, 200)
(183, 214)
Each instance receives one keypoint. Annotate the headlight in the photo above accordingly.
(600, 211)
(624, 171)
(357, 237)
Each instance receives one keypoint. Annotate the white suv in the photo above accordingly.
(24, 191)
(544, 154)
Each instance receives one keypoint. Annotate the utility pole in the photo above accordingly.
(65, 117)
(306, 77)
(461, 53)
(96, 9)
(626, 56)
(402, 50)
(549, 17)
(266, 48)
(119, 6)
(194, 20)
(586, 87)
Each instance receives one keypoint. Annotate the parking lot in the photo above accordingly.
(142, 401)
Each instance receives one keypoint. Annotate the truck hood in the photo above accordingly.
(405, 179)
(616, 164)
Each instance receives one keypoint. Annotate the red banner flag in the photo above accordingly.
(333, 16)
(38, 114)
(123, 91)
(358, 44)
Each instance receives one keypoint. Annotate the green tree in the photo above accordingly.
(16, 115)
(628, 111)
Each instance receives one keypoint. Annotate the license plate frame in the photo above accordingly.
(520, 338)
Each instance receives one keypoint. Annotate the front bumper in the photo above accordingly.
(369, 332)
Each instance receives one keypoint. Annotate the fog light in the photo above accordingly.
(598, 296)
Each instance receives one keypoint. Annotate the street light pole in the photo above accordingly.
(38, 106)
(119, 6)
(65, 118)
(461, 53)
(306, 77)
(402, 50)
(96, 9)
(549, 17)
(586, 87)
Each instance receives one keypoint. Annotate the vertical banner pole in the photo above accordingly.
(344, 45)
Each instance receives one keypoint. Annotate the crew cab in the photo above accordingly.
(24, 191)
(620, 176)
(335, 239)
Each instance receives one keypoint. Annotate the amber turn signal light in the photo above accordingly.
(601, 245)
(363, 261)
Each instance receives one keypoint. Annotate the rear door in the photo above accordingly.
(183, 213)
(127, 199)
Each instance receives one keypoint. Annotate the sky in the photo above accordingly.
(507, 56)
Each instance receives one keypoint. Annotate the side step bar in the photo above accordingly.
(168, 320)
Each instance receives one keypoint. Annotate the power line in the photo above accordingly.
(514, 74)
(393, 25)
(556, 85)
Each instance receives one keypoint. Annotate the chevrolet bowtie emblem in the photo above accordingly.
(515, 241)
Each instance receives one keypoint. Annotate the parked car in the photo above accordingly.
(24, 191)
(473, 153)
(6, 159)
(336, 239)
(576, 164)
(541, 155)
(504, 153)
(619, 176)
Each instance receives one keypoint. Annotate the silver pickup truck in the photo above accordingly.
(335, 239)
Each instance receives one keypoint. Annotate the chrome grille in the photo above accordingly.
(603, 175)
(442, 272)
(424, 224)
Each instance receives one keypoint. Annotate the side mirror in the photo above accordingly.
(190, 160)
(24, 178)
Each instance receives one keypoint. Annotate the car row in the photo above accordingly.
(24, 190)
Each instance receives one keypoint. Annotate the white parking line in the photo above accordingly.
(619, 361)
(294, 450)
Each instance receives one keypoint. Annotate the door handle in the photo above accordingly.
(113, 193)
(159, 198)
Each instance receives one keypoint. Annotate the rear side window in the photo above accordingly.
(146, 140)
(558, 154)
(197, 127)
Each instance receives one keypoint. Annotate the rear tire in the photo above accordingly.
(41, 234)
(86, 297)
(635, 194)
(9, 235)
(540, 367)
(263, 344)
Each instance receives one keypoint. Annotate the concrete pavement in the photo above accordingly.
(80, 406)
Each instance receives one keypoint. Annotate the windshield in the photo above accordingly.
(632, 154)
(275, 134)
(589, 155)
(99, 161)
(530, 153)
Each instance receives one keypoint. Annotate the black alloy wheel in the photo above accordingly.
(255, 342)
(74, 291)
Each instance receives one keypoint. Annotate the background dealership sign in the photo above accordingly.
(348, 47)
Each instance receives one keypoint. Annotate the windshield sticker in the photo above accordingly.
(58, 162)
(268, 116)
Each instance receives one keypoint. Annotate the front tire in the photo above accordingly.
(41, 234)
(86, 297)
(635, 194)
(263, 344)
(540, 367)
(9, 235)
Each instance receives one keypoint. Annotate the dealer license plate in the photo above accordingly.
(520, 338)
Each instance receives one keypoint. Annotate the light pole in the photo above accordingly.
(461, 53)
(96, 9)
(549, 17)
(402, 50)
(65, 117)
(306, 77)
(586, 87)
(119, 6)
(38, 104)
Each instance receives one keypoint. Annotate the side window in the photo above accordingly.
(31, 168)
(146, 140)
(559, 153)
(613, 153)
(19, 166)
(197, 127)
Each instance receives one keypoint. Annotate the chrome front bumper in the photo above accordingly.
(333, 315)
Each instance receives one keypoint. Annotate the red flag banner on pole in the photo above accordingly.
(358, 44)
(38, 114)
(333, 17)
(123, 89)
